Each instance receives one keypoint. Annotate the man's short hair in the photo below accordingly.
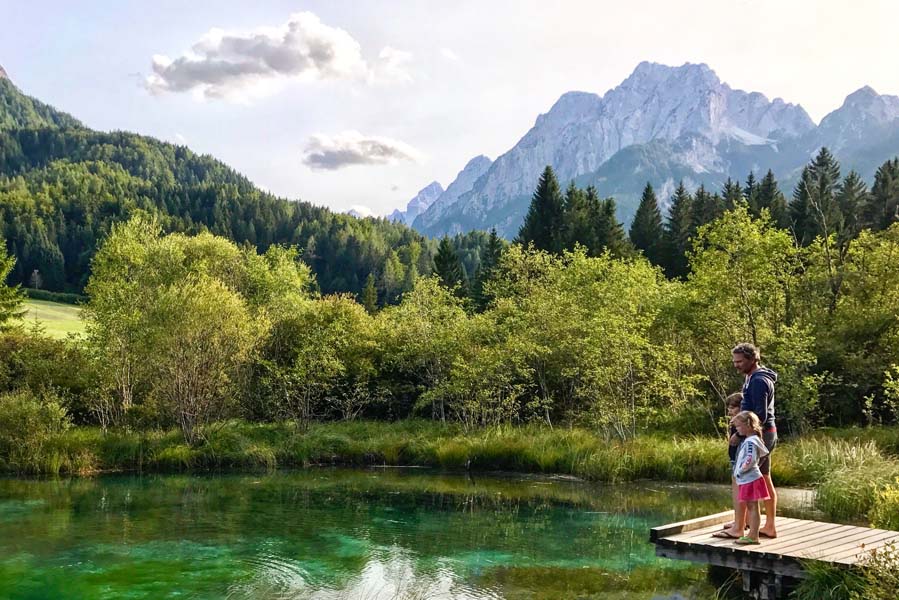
(748, 350)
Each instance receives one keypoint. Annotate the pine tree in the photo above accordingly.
(610, 233)
(751, 194)
(802, 221)
(392, 277)
(677, 232)
(732, 193)
(770, 197)
(706, 208)
(576, 229)
(487, 270)
(824, 171)
(814, 210)
(370, 295)
(646, 232)
(11, 297)
(881, 208)
(448, 267)
(544, 220)
(851, 196)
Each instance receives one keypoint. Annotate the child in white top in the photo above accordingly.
(752, 488)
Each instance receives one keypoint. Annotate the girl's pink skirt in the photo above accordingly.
(751, 492)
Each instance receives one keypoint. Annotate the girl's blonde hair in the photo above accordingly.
(735, 399)
(750, 418)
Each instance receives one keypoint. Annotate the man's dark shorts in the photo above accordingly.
(770, 439)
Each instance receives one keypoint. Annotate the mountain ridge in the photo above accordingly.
(693, 125)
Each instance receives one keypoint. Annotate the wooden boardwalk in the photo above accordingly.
(765, 566)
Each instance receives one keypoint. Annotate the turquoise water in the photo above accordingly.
(342, 534)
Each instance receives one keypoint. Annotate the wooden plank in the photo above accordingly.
(795, 537)
(706, 534)
(818, 550)
(852, 555)
(787, 536)
(783, 522)
(735, 560)
(691, 525)
(819, 534)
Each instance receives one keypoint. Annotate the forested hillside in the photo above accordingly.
(62, 186)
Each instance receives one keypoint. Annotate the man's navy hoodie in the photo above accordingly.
(758, 395)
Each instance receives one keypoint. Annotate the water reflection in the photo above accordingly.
(344, 534)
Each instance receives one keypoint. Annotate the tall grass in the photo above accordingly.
(852, 474)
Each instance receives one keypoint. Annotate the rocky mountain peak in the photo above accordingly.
(417, 205)
(864, 114)
(474, 169)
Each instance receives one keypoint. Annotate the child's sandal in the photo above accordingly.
(747, 541)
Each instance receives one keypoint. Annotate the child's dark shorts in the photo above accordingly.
(769, 436)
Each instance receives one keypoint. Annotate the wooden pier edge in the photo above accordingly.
(657, 533)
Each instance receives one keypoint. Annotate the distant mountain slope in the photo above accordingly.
(665, 124)
(63, 186)
(417, 205)
(18, 110)
(465, 180)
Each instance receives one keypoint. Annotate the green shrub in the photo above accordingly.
(27, 424)
(62, 297)
(825, 581)
(884, 514)
(881, 575)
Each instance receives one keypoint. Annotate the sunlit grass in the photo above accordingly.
(57, 320)
(849, 472)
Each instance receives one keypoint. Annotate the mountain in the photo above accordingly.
(18, 110)
(665, 124)
(464, 181)
(417, 205)
(63, 186)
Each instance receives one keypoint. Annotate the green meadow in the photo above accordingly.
(58, 320)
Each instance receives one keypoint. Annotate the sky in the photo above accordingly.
(356, 103)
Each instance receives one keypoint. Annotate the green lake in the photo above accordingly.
(331, 534)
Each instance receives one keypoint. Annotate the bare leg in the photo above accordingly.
(734, 495)
(755, 519)
(770, 529)
(735, 529)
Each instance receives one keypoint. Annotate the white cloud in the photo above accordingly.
(391, 67)
(236, 65)
(326, 152)
(449, 55)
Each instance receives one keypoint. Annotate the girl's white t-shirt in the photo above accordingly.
(746, 469)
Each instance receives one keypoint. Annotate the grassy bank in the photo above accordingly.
(854, 471)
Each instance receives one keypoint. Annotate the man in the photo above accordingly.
(758, 396)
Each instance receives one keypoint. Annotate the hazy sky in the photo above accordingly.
(345, 103)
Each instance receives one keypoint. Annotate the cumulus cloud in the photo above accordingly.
(449, 55)
(235, 64)
(329, 153)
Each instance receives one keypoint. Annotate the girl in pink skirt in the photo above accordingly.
(751, 486)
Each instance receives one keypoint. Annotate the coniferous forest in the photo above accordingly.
(63, 186)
